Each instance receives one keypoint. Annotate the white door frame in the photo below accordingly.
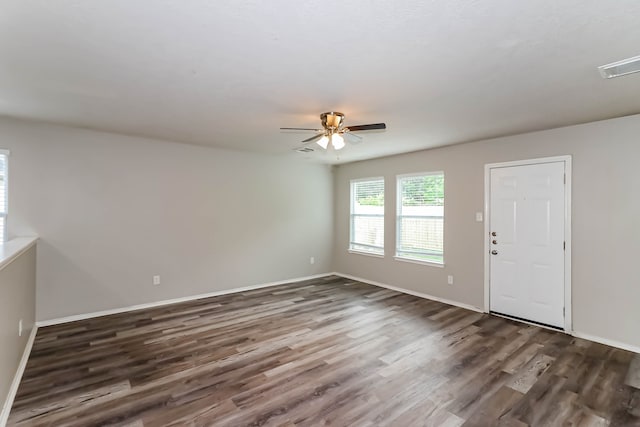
(568, 324)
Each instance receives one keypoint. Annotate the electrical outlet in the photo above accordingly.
(450, 279)
(20, 328)
(479, 216)
(312, 260)
(156, 280)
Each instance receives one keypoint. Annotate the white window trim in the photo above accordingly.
(350, 249)
(397, 256)
(418, 261)
(372, 254)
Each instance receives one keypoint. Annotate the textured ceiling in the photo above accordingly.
(229, 73)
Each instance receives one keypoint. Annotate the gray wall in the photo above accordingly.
(17, 301)
(112, 211)
(606, 211)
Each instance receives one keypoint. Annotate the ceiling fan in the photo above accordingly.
(333, 131)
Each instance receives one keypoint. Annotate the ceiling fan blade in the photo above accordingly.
(374, 126)
(314, 138)
(316, 130)
(352, 138)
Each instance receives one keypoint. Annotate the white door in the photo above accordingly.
(527, 220)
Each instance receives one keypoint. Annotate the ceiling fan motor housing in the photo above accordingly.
(331, 120)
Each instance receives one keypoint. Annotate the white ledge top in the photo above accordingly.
(13, 248)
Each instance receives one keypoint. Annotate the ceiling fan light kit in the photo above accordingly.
(337, 141)
(333, 131)
(323, 142)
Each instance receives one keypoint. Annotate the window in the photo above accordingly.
(420, 228)
(367, 216)
(4, 160)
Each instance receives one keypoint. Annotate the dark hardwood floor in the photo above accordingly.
(323, 352)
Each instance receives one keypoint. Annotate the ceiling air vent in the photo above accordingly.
(305, 150)
(620, 68)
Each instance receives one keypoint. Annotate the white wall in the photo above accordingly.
(17, 301)
(606, 220)
(112, 211)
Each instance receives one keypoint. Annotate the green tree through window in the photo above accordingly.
(370, 195)
(423, 191)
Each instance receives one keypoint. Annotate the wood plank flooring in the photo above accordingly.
(328, 351)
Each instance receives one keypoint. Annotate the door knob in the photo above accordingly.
(494, 252)
(494, 234)
(495, 242)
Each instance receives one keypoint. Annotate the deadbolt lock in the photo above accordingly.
(494, 234)
(495, 242)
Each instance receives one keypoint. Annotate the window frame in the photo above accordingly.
(399, 216)
(381, 250)
(5, 214)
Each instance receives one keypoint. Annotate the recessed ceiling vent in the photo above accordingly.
(305, 150)
(620, 68)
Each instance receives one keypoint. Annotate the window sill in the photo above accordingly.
(417, 261)
(371, 254)
(14, 248)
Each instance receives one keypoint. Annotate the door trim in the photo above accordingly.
(568, 316)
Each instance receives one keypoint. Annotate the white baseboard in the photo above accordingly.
(606, 341)
(85, 316)
(8, 403)
(410, 292)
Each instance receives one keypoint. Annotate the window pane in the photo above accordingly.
(3, 183)
(421, 217)
(421, 238)
(3, 197)
(367, 232)
(427, 190)
(368, 197)
(367, 215)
